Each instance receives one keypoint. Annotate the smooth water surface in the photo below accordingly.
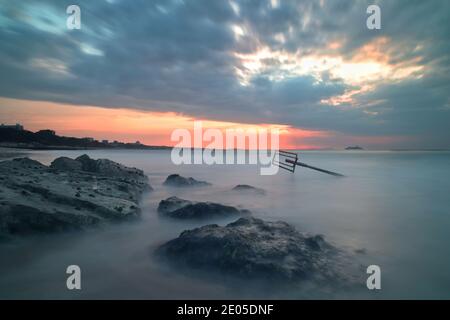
(392, 208)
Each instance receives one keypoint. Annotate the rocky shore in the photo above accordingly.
(70, 194)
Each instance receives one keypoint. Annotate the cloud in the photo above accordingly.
(308, 64)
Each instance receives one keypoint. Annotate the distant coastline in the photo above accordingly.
(18, 138)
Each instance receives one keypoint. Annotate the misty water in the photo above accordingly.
(392, 208)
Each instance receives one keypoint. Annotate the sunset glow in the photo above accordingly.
(152, 128)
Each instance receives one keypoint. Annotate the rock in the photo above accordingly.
(87, 163)
(361, 251)
(248, 188)
(18, 219)
(103, 167)
(171, 204)
(251, 248)
(24, 163)
(64, 164)
(175, 180)
(184, 209)
(70, 194)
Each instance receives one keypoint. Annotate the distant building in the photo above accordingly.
(89, 139)
(47, 132)
(105, 141)
(16, 126)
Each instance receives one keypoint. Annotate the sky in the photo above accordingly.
(137, 70)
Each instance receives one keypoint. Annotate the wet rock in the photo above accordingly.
(248, 188)
(64, 164)
(171, 204)
(70, 194)
(24, 163)
(175, 180)
(101, 167)
(184, 209)
(18, 219)
(251, 248)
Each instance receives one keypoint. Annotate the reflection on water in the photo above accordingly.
(394, 205)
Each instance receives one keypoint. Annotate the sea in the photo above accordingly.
(392, 210)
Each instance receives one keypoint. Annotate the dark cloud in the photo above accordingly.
(180, 56)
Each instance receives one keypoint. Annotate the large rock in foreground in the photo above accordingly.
(175, 207)
(255, 249)
(70, 194)
(175, 180)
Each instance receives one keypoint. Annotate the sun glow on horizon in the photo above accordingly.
(127, 125)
